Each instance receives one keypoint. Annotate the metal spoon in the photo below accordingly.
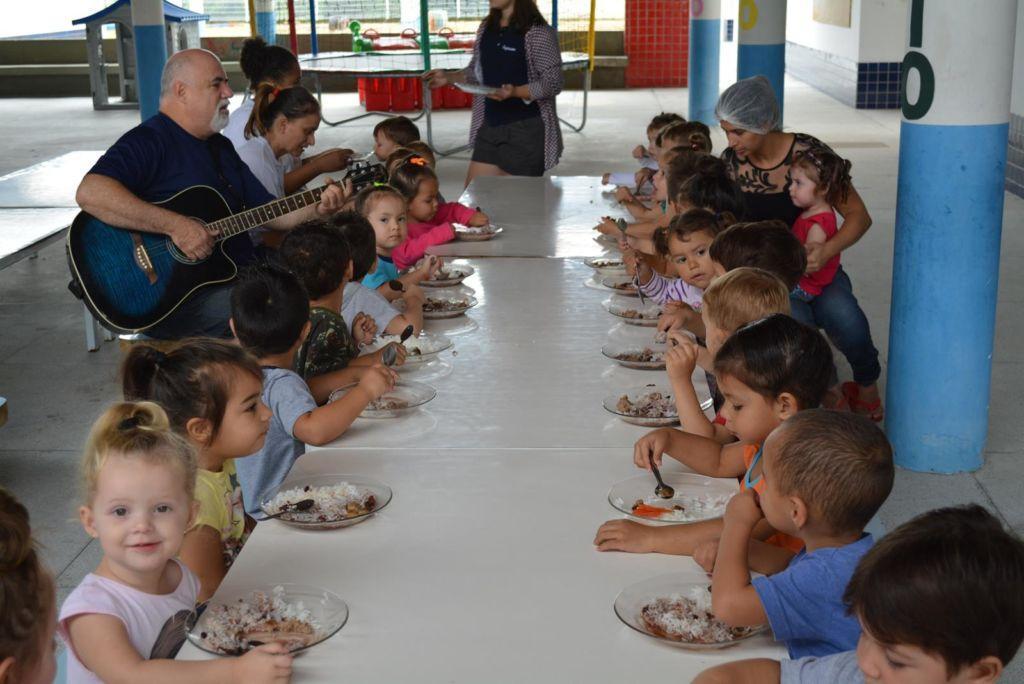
(396, 285)
(662, 490)
(297, 507)
(389, 356)
(406, 334)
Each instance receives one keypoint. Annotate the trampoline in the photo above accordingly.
(410, 63)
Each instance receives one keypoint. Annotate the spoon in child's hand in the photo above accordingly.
(297, 507)
(396, 285)
(406, 334)
(662, 490)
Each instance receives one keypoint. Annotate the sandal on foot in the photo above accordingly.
(872, 409)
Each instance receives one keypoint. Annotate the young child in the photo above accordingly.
(768, 245)
(685, 243)
(646, 155)
(366, 308)
(741, 296)
(270, 318)
(125, 621)
(429, 222)
(211, 393)
(385, 208)
(676, 163)
(318, 255)
(391, 133)
(820, 180)
(938, 602)
(826, 474)
(27, 602)
(768, 371)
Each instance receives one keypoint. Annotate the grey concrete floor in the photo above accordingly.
(56, 388)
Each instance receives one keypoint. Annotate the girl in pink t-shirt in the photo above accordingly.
(126, 619)
(429, 221)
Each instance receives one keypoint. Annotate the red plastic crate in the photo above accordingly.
(657, 41)
(406, 95)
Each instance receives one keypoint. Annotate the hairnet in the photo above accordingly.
(750, 104)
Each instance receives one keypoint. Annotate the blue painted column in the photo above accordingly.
(761, 48)
(150, 53)
(266, 21)
(955, 97)
(702, 65)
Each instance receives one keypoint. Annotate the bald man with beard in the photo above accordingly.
(177, 148)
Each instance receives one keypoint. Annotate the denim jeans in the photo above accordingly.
(837, 312)
(204, 314)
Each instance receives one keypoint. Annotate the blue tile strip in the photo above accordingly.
(864, 85)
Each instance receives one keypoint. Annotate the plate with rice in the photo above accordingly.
(697, 497)
(676, 609)
(420, 349)
(234, 622)
(476, 233)
(448, 275)
(632, 312)
(404, 397)
(338, 500)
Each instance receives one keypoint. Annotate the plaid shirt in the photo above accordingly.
(544, 70)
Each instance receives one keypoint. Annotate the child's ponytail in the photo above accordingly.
(828, 170)
(135, 430)
(190, 382)
(27, 601)
(270, 101)
(408, 175)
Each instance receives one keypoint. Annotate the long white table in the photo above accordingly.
(482, 569)
(551, 216)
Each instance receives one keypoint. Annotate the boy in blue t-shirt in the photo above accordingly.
(939, 601)
(826, 474)
(270, 318)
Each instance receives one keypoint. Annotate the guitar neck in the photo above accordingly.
(251, 218)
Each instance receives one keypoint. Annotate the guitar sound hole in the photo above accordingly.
(179, 255)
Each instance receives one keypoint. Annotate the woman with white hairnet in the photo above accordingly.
(758, 158)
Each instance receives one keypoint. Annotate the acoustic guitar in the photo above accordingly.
(131, 280)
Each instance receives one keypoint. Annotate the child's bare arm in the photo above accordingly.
(101, 642)
(703, 455)
(203, 553)
(326, 423)
(414, 300)
(321, 386)
(816, 235)
(388, 293)
(752, 671)
(634, 537)
(400, 322)
(766, 559)
(733, 598)
(680, 362)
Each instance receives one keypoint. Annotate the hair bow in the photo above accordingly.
(418, 161)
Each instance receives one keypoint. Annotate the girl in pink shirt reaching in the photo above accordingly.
(429, 221)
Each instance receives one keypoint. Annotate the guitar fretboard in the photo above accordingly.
(247, 220)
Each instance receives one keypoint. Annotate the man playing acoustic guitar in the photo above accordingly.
(178, 148)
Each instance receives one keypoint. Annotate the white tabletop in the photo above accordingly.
(551, 216)
(51, 183)
(480, 570)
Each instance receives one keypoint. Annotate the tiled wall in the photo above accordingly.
(871, 85)
(1015, 156)
(656, 41)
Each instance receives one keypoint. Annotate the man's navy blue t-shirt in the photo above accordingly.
(158, 159)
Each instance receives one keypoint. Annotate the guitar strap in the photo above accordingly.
(223, 179)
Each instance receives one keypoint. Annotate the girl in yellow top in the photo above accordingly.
(211, 393)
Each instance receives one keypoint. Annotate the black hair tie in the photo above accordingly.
(129, 423)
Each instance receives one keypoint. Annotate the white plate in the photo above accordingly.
(326, 609)
(693, 492)
(613, 283)
(307, 521)
(613, 350)
(611, 405)
(457, 273)
(606, 265)
(474, 89)
(467, 234)
(632, 599)
(618, 308)
(469, 300)
(430, 346)
(414, 393)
